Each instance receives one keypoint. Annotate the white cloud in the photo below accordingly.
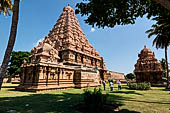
(92, 30)
(36, 44)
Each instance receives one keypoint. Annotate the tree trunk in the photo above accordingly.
(167, 70)
(164, 3)
(11, 41)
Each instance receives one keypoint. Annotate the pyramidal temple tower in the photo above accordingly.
(147, 68)
(63, 59)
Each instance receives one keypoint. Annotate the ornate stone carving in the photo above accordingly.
(44, 52)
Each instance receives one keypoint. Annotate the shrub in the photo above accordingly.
(94, 100)
(130, 76)
(139, 86)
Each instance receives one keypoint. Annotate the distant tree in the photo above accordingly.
(130, 76)
(12, 37)
(162, 40)
(108, 13)
(16, 60)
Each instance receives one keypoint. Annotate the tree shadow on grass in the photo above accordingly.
(41, 103)
(165, 89)
(9, 86)
(127, 92)
(149, 102)
(62, 102)
(12, 89)
(126, 111)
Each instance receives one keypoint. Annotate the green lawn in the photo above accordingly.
(156, 100)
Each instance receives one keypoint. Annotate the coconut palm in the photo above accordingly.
(5, 6)
(163, 64)
(12, 37)
(162, 40)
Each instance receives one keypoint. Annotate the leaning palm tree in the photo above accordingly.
(11, 40)
(162, 40)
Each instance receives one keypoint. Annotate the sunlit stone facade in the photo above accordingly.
(64, 59)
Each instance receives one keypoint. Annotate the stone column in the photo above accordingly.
(58, 78)
(23, 75)
(56, 74)
(34, 74)
(40, 72)
(47, 74)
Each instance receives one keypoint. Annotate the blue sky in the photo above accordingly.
(119, 46)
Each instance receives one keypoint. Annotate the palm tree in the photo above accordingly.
(11, 40)
(163, 64)
(5, 6)
(162, 40)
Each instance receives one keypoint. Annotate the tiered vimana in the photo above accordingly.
(147, 68)
(64, 59)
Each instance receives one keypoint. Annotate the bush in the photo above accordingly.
(94, 100)
(139, 86)
(130, 76)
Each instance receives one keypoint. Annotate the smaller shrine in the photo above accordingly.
(147, 68)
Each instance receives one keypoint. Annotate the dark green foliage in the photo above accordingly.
(130, 76)
(117, 12)
(16, 60)
(94, 100)
(163, 64)
(161, 30)
(110, 81)
(139, 86)
(5, 7)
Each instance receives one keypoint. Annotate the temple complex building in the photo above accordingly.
(64, 59)
(110, 75)
(147, 68)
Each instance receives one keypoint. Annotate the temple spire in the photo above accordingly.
(70, 35)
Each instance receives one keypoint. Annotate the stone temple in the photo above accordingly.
(64, 59)
(147, 68)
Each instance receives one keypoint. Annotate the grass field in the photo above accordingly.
(156, 100)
